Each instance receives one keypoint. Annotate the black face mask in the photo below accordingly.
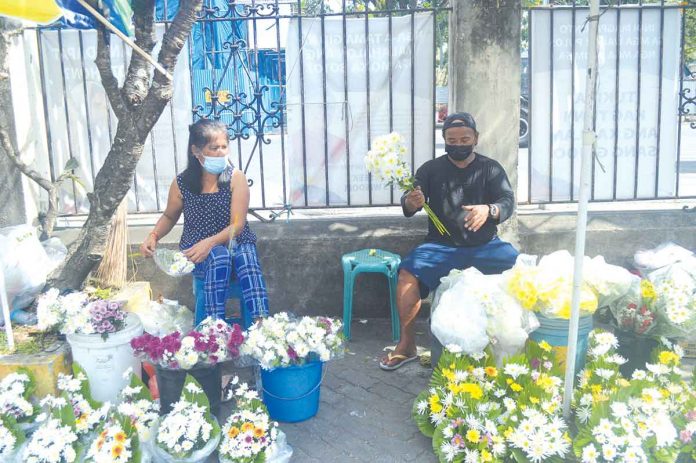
(459, 152)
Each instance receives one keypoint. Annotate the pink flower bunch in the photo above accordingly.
(106, 317)
(208, 344)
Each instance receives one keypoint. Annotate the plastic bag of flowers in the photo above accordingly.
(56, 440)
(136, 404)
(116, 441)
(89, 413)
(16, 390)
(249, 435)
(173, 263)
(635, 312)
(282, 340)
(189, 433)
(11, 438)
(675, 289)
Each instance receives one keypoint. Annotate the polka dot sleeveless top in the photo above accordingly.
(207, 214)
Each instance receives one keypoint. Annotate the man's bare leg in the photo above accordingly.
(408, 302)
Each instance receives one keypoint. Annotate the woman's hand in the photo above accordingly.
(149, 245)
(199, 251)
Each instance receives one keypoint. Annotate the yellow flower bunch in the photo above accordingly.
(647, 290)
(668, 358)
(522, 286)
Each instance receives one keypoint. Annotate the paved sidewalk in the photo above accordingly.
(365, 413)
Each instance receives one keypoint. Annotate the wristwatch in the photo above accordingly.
(492, 211)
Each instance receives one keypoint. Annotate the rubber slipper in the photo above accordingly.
(401, 360)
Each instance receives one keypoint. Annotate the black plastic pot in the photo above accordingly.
(636, 350)
(171, 382)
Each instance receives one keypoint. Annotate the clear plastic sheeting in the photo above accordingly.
(471, 310)
(25, 264)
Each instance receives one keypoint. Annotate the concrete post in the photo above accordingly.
(12, 210)
(484, 77)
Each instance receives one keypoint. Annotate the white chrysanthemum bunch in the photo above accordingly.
(280, 341)
(52, 442)
(249, 431)
(137, 405)
(189, 426)
(65, 313)
(111, 446)
(173, 263)
(540, 436)
(15, 395)
(10, 438)
(385, 160)
(89, 414)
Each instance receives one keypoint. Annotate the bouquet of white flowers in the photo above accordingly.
(89, 413)
(173, 263)
(385, 162)
(56, 440)
(16, 390)
(11, 438)
(138, 406)
(281, 341)
(189, 433)
(675, 287)
(249, 431)
(117, 442)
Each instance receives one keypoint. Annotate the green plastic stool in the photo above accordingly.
(370, 261)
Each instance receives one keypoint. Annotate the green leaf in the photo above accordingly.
(144, 393)
(198, 398)
(72, 164)
(85, 390)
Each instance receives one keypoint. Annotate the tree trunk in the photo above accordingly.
(137, 113)
(11, 193)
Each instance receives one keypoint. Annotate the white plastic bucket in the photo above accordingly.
(105, 361)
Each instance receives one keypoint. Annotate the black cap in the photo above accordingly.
(459, 120)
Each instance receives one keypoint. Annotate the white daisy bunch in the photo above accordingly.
(89, 414)
(281, 341)
(540, 436)
(474, 437)
(188, 427)
(137, 405)
(187, 356)
(676, 304)
(49, 310)
(11, 437)
(15, 394)
(249, 431)
(52, 442)
(112, 445)
(385, 160)
(173, 263)
(319, 335)
(65, 313)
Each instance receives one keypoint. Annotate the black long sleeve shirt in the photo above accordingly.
(447, 188)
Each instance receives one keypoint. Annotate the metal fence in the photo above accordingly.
(305, 85)
(646, 145)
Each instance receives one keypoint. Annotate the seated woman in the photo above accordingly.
(214, 197)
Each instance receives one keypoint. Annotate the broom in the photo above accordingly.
(113, 269)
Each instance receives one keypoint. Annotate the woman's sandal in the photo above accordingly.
(400, 358)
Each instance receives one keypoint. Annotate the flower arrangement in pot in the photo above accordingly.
(98, 331)
(89, 413)
(116, 441)
(189, 433)
(137, 405)
(198, 352)
(16, 391)
(249, 433)
(291, 352)
(56, 440)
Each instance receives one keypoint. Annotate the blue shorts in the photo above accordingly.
(429, 262)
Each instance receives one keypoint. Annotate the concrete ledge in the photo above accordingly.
(302, 258)
(45, 367)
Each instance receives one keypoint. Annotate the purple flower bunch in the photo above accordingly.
(205, 345)
(106, 317)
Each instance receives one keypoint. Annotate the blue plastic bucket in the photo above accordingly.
(555, 332)
(291, 394)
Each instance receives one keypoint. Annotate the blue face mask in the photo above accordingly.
(214, 165)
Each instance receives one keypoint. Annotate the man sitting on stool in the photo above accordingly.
(471, 194)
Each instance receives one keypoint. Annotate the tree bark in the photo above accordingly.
(137, 113)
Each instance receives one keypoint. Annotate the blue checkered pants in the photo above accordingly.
(217, 270)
